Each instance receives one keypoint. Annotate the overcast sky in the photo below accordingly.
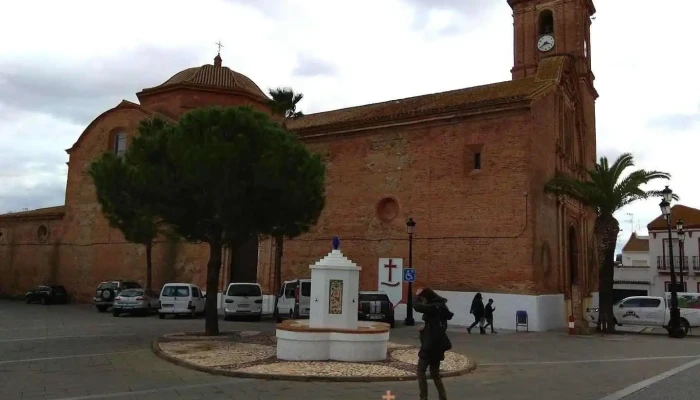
(64, 62)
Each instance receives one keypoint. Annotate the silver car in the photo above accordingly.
(134, 301)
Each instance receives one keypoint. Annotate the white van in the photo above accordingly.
(294, 300)
(243, 299)
(181, 299)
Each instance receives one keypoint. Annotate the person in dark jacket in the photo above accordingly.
(477, 311)
(433, 339)
(488, 315)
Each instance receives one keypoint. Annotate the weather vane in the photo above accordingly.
(220, 46)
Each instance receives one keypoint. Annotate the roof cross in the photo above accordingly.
(220, 46)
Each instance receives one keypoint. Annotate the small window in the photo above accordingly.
(650, 303)
(244, 291)
(477, 160)
(289, 290)
(374, 297)
(120, 144)
(131, 293)
(195, 292)
(306, 289)
(108, 285)
(176, 291)
(631, 303)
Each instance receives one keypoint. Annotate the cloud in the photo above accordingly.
(78, 91)
(676, 122)
(447, 17)
(308, 66)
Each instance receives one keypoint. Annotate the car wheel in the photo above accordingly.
(228, 318)
(257, 318)
(115, 313)
(193, 314)
(27, 300)
(291, 314)
(101, 308)
(43, 300)
(161, 316)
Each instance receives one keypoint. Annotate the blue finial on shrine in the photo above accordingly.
(336, 242)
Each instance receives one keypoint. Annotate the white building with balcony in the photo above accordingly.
(634, 276)
(685, 252)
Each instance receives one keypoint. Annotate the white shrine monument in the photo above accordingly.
(332, 331)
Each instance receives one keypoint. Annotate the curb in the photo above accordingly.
(155, 346)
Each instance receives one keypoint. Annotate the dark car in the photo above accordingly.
(108, 290)
(375, 306)
(47, 294)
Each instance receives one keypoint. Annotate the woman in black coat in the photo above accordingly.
(478, 311)
(433, 339)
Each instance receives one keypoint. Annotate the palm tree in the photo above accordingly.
(606, 191)
(284, 103)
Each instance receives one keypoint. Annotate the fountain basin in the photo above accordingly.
(298, 341)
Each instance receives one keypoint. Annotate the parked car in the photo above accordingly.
(294, 300)
(243, 299)
(135, 301)
(181, 299)
(108, 290)
(653, 311)
(47, 294)
(375, 306)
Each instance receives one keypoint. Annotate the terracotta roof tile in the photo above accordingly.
(689, 215)
(637, 243)
(496, 93)
(213, 76)
(39, 212)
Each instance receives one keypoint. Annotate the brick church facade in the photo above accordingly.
(468, 165)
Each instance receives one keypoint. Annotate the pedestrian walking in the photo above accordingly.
(488, 315)
(433, 339)
(477, 310)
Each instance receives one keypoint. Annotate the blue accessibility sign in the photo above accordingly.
(409, 275)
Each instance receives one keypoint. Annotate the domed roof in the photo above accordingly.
(215, 76)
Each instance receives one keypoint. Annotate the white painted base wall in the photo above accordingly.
(545, 312)
(336, 346)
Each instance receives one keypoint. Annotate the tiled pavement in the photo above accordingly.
(72, 352)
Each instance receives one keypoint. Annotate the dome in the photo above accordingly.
(214, 76)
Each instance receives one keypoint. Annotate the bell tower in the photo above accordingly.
(543, 28)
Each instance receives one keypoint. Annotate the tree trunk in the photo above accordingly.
(279, 249)
(211, 326)
(149, 266)
(606, 231)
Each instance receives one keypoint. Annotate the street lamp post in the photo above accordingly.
(665, 205)
(410, 229)
(681, 250)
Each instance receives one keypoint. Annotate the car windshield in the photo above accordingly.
(108, 285)
(176, 291)
(244, 290)
(131, 293)
(306, 289)
(373, 297)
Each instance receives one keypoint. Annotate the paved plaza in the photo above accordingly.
(73, 352)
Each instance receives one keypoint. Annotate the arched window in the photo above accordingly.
(119, 144)
(546, 23)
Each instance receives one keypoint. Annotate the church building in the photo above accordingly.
(468, 166)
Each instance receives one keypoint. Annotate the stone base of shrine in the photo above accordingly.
(297, 341)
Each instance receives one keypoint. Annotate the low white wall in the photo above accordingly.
(544, 312)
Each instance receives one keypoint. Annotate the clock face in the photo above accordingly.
(546, 43)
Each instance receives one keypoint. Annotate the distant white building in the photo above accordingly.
(687, 254)
(634, 276)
